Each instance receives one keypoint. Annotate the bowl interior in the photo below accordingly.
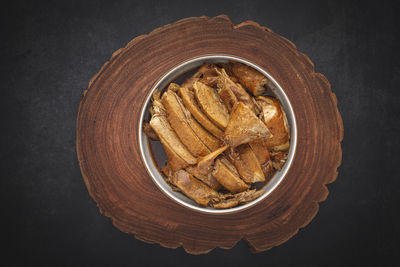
(154, 156)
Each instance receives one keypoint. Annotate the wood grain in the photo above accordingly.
(107, 141)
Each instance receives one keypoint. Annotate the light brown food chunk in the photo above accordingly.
(247, 164)
(227, 97)
(211, 142)
(208, 179)
(244, 127)
(226, 203)
(193, 188)
(168, 172)
(231, 200)
(260, 149)
(180, 120)
(227, 176)
(250, 78)
(206, 74)
(204, 164)
(150, 132)
(173, 87)
(191, 104)
(211, 105)
(234, 90)
(278, 159)
(274, 117)
(178, 155)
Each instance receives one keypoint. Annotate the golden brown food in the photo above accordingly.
(231, 200)
(173, 87)
(191, 104)
(250, 78)
(181, 121)
(260, 149)
(274, 117)
(244, 127)
(150, 132)
(219, 135)
(178, 155)
(211, 105)
(204, 164)
(207, 178)
(234, 90)
(227, 175)
(206, 74)
(278, 159)
(193, 188)
(247, 164)
(228, 97)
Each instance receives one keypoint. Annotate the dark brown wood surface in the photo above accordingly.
(108, 152)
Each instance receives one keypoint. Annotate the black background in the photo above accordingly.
(51, 49)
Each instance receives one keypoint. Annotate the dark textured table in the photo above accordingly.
(50, 50)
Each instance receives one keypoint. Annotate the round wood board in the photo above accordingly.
(107, 141)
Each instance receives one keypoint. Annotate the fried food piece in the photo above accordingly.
(247, 164)
(173, 87)
(249, 195)
(226, 203)
(193, 188)
(260, 149)
(278, 159)
(204, 164)
(211, 105)
(227, 176)
(250, 78)
(228, 97)
(178, 155)
(274, 117)
(231, 200)
(181, 121)
(190, 103)
(150, 132)
(233, 91)
(244, 127)
(168, 172)
(211, 142)
(206, 74)
(208, 179)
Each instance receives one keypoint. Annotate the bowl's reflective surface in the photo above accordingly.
(146, 152)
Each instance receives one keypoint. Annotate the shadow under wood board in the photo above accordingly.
(116, 178)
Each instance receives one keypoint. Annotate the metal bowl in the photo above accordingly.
(146, 152)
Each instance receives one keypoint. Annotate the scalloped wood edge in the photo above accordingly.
(309, 66)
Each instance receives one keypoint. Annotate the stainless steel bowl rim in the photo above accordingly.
(151, 167)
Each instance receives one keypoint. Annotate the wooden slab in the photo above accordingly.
(107, 141)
